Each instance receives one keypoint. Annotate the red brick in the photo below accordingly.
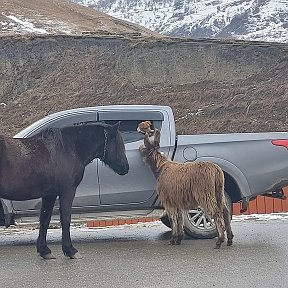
(108, 223)
(236, 208)
(148, 219)
(277, 206)
(142, 220)
(115, 222)
(269, 205)
(90, 224)
(102, 223)
(121, 221)
(252, 208)
(261, 206)
(285, 202)
(96, 223)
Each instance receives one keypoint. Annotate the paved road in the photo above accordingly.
(139, 256)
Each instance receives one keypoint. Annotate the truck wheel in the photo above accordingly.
(197, 224)
(2, 217)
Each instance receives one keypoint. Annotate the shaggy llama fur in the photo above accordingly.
(186, 186)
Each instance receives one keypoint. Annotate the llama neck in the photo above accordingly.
(156, 162)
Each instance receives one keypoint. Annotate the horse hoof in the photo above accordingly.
(48, 256)
(76, 256)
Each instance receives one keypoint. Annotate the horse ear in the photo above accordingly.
(157, 137)
(117, 125)
(112, 130)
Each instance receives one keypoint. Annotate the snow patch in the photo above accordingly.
(260, 217)
(24, 25)
(19, 24)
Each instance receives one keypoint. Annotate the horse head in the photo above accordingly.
(114, 150)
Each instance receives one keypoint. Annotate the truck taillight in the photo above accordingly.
(281, 142)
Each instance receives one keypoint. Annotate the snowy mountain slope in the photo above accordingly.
(61, 17)
(262, 20)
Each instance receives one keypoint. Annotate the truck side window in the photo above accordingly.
(128, 129)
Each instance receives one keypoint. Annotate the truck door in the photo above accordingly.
(87, 193)
(138, 186)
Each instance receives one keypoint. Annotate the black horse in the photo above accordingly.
(52, 164)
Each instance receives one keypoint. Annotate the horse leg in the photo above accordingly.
(66, 199)
(227, 220)
(45, 217)
(219, 222)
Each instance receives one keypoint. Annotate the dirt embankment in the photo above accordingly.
(212, 86)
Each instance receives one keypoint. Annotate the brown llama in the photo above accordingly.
(187, 186)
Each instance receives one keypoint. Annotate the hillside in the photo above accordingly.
(213, 86)
(232, 19)
(61, 17)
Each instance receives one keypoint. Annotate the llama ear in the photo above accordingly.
(157, 137)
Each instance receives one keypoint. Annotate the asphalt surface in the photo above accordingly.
(139, 256)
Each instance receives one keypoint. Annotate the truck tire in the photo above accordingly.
(197, 224)
(2, 217)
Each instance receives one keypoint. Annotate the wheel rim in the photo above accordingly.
(199, 220)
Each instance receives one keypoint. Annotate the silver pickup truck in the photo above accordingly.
(253, 163)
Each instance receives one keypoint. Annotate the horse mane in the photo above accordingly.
(52, 135)
(55, 135)
(72, 138)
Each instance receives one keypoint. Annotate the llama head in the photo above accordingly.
(150, 151)
(145, 127)
(152, 141)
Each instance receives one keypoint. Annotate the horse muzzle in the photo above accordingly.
(122, 169)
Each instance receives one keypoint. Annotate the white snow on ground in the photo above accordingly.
(19, 24)
(24, 25)
(33, 229)
(260, 217)
(27, 229)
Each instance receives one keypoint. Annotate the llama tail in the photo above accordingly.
(219, 189)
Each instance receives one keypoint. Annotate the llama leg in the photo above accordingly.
(180, 224)
(173, 219)
(227, 220)
(219, 222)
(45, 216)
